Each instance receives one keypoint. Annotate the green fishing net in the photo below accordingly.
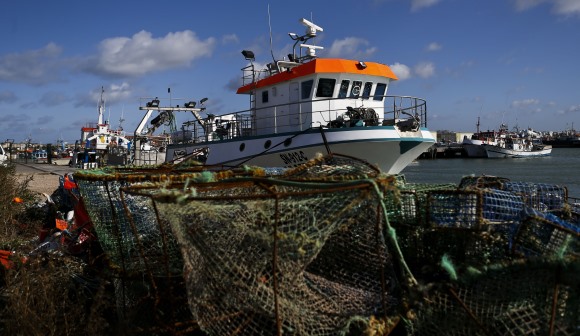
(335, 247)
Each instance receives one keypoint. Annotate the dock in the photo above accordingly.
(444, 151)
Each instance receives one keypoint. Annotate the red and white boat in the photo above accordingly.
(302, 106)
(473, 145)
(100, 136)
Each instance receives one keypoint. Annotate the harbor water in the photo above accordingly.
(561, 168)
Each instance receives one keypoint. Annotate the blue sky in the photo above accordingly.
(510, 61)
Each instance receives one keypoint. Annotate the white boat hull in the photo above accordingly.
(474, 151)
(384, 146)
(500, 152)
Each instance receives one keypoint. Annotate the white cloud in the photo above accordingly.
(523, 5)
(434, 46)
(33, 67)
(569, 110)
(140, 54)
(113, 94)
(236, 82)
(420, 4)
(425, 69)
(401, 70)
(559, 7)
(117, 92)
(262, 68)
(524, 103)
(352, 47)
(567, 7)
(231, 38)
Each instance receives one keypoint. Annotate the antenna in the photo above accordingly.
(121, 119)
(311, 28)
(480, 110)
(270, 26)
(101, 106)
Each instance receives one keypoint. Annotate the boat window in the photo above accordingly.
(367, 90)
(343, 88)
(325, 87)
(306, 88)
(355, 90)
(265, 96)
(380, 91)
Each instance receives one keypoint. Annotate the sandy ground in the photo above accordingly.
(42, 182)
(45, 178)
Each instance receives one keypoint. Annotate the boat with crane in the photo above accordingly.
(301, 106)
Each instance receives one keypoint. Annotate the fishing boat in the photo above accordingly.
(565, 139)
(473, 145)
(517, 147)
(102, 143)
(301, 106)
(40, 156)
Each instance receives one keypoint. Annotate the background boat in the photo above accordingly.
(566, 139)
(472, 145)
(517, 147)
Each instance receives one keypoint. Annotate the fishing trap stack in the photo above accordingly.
(336, 247)
(143, 257)
(304, 253)
(495, 257)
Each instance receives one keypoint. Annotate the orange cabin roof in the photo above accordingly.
(322, 66)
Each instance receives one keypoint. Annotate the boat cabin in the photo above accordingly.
(40, 156)
(321, 92)
(302, 92)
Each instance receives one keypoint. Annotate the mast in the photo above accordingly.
(121, 119)
(101, 106)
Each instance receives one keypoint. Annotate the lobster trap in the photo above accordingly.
(336, 247)
(494, 257)
(278, 256)
(522, 297)
(145, 262)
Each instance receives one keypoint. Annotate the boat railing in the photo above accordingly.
(406, 112)
(251, 75)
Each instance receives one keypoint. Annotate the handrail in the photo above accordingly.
(422, 104)
(395, 111)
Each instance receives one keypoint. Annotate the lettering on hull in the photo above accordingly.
(291, 158)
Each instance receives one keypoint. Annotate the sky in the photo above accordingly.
(503, 61)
